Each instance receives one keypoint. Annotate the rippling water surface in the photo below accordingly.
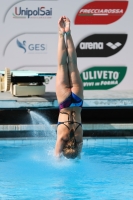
(29, 171)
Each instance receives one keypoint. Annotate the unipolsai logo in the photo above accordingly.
(101, 12)
(40, 12)
(102, 78)
(101, 45)
(31, 48)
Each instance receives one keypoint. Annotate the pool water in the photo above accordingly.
(29, 170)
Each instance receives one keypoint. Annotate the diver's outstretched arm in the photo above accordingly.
(59, 147)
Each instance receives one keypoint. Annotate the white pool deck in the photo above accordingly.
(93, 99)
(49, 100)
(86, 127)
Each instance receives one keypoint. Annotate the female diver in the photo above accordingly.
(69, 92)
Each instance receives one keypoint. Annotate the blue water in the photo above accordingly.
(29, 171)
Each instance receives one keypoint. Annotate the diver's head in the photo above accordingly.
(70, 149)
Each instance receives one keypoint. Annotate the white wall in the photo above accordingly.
(40, 36)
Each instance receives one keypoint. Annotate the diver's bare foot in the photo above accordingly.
(61, 26)
(67, 24)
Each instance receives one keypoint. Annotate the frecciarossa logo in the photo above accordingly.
(101, 45)
(101, 12)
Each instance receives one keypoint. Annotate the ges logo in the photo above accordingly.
(31, 48)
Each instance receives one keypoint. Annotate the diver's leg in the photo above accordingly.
(75, 79)
(62, 77)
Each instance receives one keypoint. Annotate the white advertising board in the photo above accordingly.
(102, 33)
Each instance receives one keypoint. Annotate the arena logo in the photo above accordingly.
(102, 78)
(32, 48)
(101, 12)
(40, 12)
(101, 45)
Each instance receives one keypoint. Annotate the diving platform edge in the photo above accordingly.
(49, 100)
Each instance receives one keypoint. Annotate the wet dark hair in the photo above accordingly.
(70, 149)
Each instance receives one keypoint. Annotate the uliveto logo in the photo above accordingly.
(101, 45)
(40, 12)
(101, 12)
(102, 77)
(32, 47)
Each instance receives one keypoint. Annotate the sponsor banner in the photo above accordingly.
(32, 10)
(102, 78)
(39, 12)
(101, 45)
(29, 35)
(30, 47)
(101, 12)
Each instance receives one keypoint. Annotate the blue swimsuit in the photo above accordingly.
(72, 101)
(69, 122)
